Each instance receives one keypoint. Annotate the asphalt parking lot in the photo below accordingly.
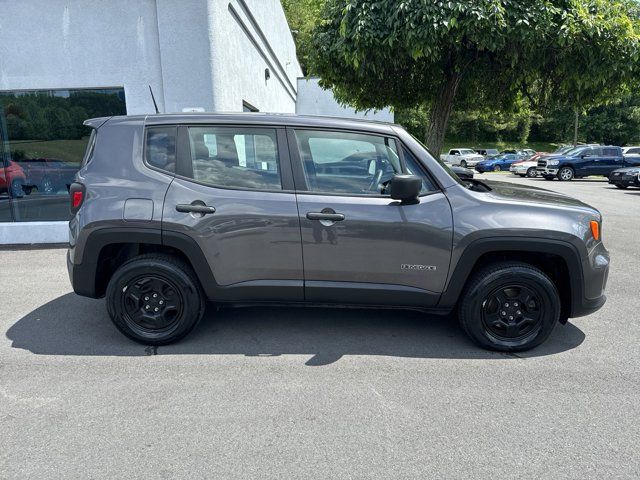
(319, 393)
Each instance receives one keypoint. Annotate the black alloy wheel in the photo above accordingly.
(155, 299)
(151, 303)
(509, 306)
(512, 311)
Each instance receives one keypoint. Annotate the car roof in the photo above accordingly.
(252, 118)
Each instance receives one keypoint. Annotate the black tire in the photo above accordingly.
(497, 168)
(566, 174)
(532, 172)
(619, 185)
(463, 163)
(131, 304)
(511, 327)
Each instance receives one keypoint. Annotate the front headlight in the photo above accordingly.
(553, 162)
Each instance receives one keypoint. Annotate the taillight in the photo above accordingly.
(77, 193)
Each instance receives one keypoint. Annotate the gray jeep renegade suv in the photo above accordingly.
(170, 211)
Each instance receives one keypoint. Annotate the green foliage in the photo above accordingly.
(474, 53)
(41, 116)
(302, 16)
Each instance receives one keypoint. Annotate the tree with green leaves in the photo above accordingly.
(474, 53)
(302, 16)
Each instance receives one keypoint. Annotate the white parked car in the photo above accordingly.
(526, 168)
(465, 157)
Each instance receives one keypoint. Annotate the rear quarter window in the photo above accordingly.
(160, 148)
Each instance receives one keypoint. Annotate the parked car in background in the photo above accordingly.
(525, 153)
(12, 179)
(583, 162)
(629, 151)
(499, 162)
(625, 177)
(465, 157)
(487, 152)
(463, 173)
(48, 175)
(527, 168)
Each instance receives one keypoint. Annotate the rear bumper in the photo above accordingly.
(82, 277)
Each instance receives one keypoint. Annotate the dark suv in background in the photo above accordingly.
(585, 161)
(172, 210)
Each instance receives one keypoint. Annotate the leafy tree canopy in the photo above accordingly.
(403, 53)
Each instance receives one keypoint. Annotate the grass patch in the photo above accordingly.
(67, 150)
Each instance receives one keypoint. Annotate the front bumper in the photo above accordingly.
(547, 172)
(595, 271)
(626, 180)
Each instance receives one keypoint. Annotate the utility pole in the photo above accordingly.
(575, 130)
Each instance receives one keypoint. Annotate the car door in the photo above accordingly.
(360, 246)
(610, 160)
(233, 195)
(591, 163)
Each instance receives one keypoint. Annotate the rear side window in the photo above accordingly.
(231, 157)
(610, 152)
(160, 148)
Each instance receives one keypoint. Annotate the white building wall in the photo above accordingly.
(313, 100)
(194, 53)
(50, 44)
(250, 36)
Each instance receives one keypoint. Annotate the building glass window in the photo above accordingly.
(43, 145)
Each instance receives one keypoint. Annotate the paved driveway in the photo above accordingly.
(318, 393)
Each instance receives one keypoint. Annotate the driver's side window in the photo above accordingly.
(347, 163)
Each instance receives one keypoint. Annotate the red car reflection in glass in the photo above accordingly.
(12, 179)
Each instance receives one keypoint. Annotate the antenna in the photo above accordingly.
(154, 100)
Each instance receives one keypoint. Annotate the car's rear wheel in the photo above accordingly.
(496, 168)
(463, 163)
(565, 174)
(155, 299)
(509, 306)
(619, 185)
(16, 189)
(532, 172)
(46, 185)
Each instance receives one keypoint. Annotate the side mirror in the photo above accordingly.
(405, 188)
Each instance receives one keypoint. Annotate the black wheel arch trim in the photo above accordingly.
(477, 248)
(84, 274)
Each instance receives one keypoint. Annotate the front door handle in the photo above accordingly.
(195, 208)
(332, 217)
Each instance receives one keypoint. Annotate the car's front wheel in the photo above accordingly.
(155, 299)
(532, 172)
(509, 306)
(463, 163)
(496, 168)
(565, 174)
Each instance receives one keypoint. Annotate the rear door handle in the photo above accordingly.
(332, 217)
(195, 208)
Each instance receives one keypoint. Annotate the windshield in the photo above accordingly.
(574, 152)
(467, 152)
(446, 167)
